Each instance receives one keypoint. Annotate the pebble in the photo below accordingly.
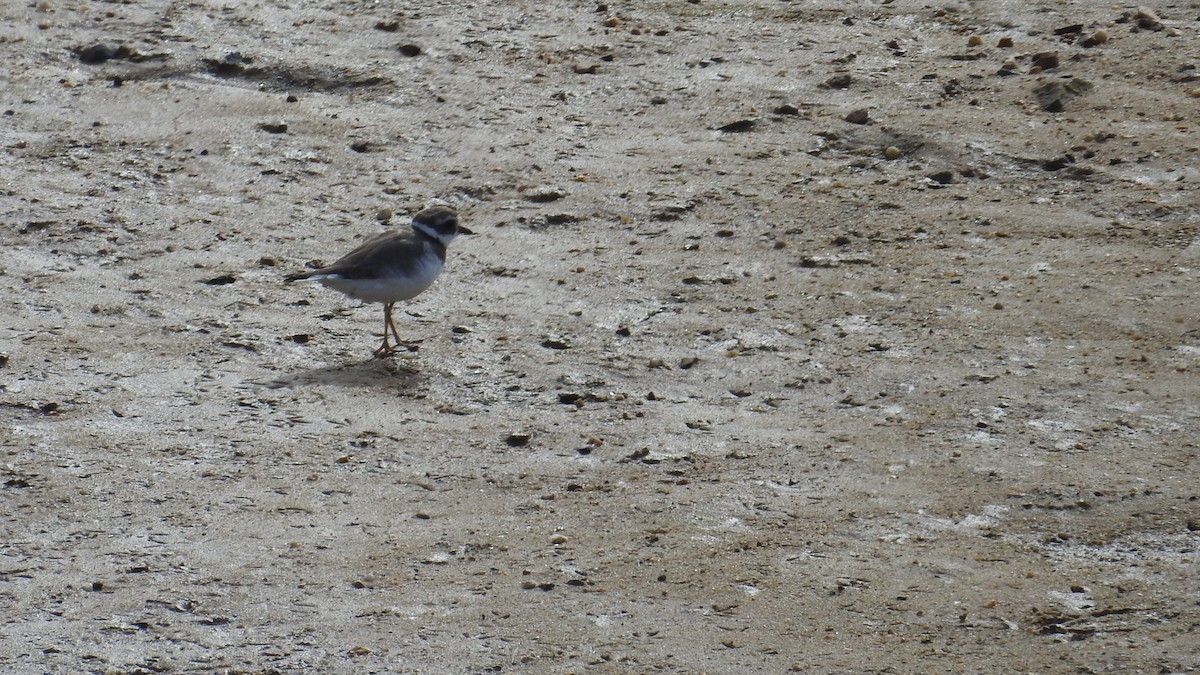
(740, 126)
(1045, 60)
(1147, 19)
(99, 53)
(1004, 42)
(860, 116)
(1098, 38)
(384, 214)
(837, 82)
(542, 194)
(892, 152)
(944, 177)
(974, 41)
(410, 50)
(517, 440)
(1053, 96)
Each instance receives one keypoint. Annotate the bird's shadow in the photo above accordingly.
(371, 373)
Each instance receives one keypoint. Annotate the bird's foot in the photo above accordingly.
(386, 349)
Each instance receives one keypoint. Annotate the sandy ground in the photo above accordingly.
(722, 384)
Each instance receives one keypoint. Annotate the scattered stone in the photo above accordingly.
(387, 26)
(384, 214)
(786, 109)
(688, 362)
(1045, 60)
(892, 152)
(230, 65)
(99, 53)
(586, 68)
(273, 128)
(974, 41)
(1069, 32)
(1096, 39)
(222, 280)
(837, 82)
(410, 50)
(1147, 19)
(740, 126)
(543, 194)
(859, 116)
(944, 177)
(1004, 42)
(556, 342)
(519, 440)
(1058, 163)
(1053, 96)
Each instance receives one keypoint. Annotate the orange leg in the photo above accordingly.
(386, 349)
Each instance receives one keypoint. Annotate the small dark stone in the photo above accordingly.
(1058, 163)
(360, 146)
(410, 50)
(221, 280)
(570, 398)
(387, 26)
(786, 109)
(837, 82)
(740, 126)
(517, 440)
(860, 116)
(301, 338)
(944, 177)
(1073, 29)
(271, 128)
(1045, 60)
(99, 53)
(688, 362)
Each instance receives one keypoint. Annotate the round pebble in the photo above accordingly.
(892, 152)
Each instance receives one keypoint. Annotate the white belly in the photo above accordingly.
(392, 286)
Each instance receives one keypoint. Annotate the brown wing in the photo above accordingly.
(384, 250)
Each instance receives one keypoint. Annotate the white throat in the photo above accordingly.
(426, 231)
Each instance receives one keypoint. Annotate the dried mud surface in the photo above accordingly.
(722, 384)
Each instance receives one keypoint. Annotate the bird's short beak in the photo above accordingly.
(463, 230)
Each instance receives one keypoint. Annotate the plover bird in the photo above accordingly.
(393, 266)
